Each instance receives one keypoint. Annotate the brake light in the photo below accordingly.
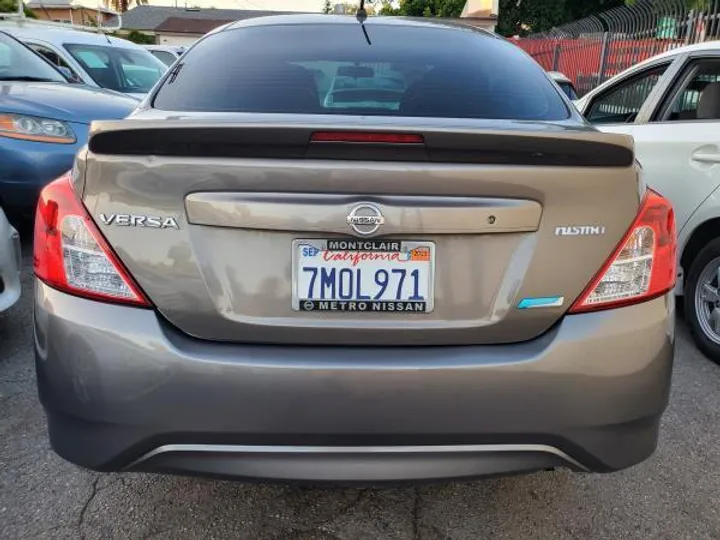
(71, 255)
(367, 137)
(643, 265)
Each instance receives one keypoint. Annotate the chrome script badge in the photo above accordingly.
(580, 230)
(133, 220)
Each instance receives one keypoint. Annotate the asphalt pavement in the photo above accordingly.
(674, 495)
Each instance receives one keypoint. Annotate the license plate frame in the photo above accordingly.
(298, 304)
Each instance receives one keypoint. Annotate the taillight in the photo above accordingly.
(70, 253)
(642, 267)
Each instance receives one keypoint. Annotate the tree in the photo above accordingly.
(521, 17)
(328, 7)
(140, 38)
(121, 6)
(10, 6)
(424, 8)
(698, 5)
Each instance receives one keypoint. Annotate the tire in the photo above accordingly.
(702, 308)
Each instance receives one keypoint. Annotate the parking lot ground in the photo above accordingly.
(674, 495)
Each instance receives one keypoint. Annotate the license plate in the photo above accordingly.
(375, 276)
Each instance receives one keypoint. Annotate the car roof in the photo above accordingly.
(705, 46)
(303, 18)
(667, 55)
(60, 36)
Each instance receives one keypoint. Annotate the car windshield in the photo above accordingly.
(117, 68)
(18, 63)
(332, 69)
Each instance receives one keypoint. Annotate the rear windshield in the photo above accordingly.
(336, 69)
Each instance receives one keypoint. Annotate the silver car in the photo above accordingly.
(10, 264)
(243, 280)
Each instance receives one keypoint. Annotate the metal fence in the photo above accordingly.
(592, 50)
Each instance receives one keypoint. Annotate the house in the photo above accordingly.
(481, 13)
(70, 12)
(182, 26)
(480, 9)
(183, 32)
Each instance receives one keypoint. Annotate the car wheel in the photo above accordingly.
(702, 300)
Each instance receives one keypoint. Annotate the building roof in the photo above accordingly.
(180, 25)
(64, 4)
(150, 17)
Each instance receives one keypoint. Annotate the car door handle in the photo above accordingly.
(706, 157)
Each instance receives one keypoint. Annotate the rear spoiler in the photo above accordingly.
(182, 138)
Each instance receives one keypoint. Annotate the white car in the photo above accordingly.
(93, 58)
(670, 104)
(167, 54)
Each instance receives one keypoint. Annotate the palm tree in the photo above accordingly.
(121, 6)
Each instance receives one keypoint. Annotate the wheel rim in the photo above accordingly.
(707, 300)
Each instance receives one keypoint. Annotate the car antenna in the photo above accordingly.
(361, 17)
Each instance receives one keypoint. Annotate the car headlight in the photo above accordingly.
(31, 128)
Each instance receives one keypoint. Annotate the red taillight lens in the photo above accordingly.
(644, 264)
(367, 137)
(71, 255)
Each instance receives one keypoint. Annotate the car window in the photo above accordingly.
(331, 69)
(165, 57)
(51, 56)
(17, 62)
(569, 90)
(622, 103)
(116, 68)
(698, 95)
(94, 59)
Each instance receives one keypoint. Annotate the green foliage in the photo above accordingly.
(518, 17)
(522, 17)
(386, 8)
(424, 8)
(698, 5)
(137, 37)
(327, 8)
(10, 6)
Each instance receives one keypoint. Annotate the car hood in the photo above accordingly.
(67, 102)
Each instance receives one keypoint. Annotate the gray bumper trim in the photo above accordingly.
(354, 463)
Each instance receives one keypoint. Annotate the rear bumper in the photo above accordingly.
(124, 391)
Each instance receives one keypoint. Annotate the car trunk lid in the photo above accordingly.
(505, 224)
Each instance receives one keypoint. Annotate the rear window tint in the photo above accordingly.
(333, 69)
